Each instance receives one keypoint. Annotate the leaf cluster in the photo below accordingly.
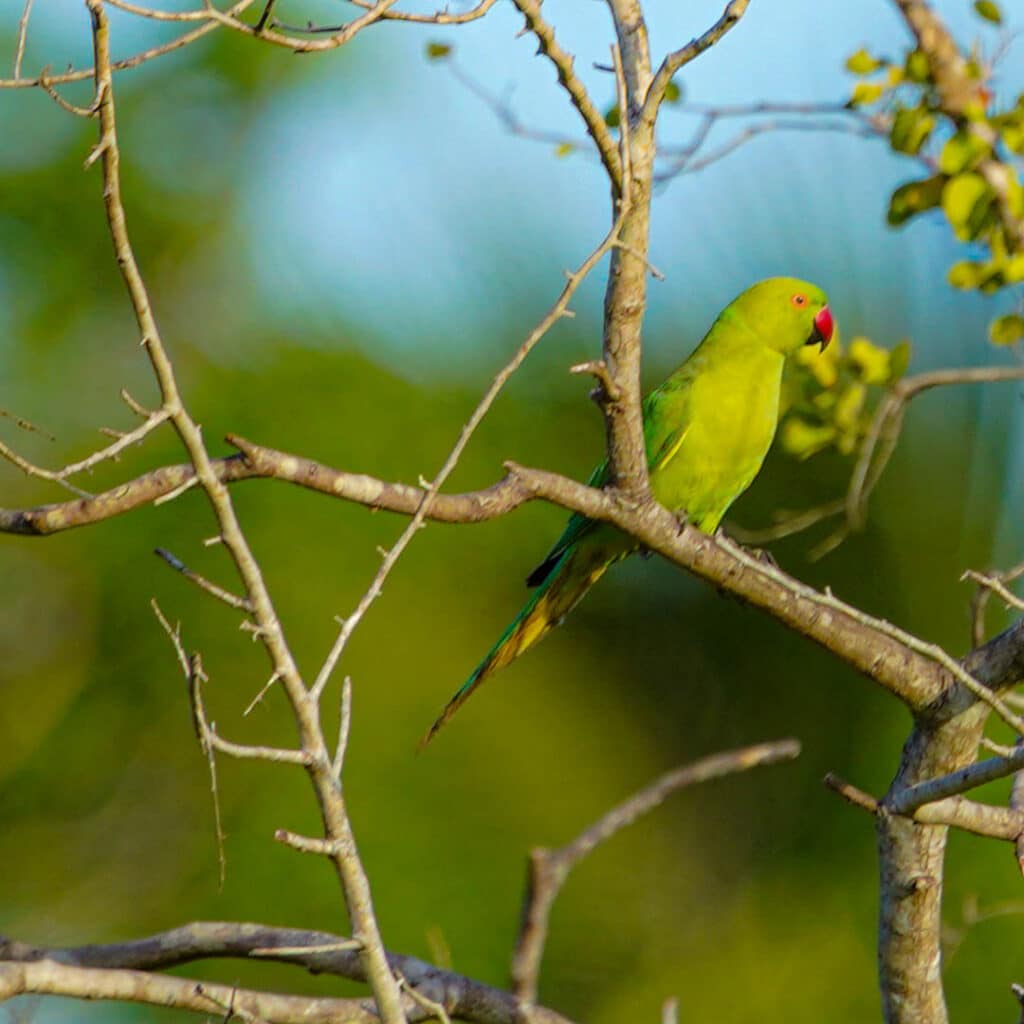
(974, 159)
(829, 398)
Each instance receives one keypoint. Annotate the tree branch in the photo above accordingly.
(129, 62)
(354, 883)
(47, 977)
(548, 869)
(317, 952)
(672, 63)
(567, 78)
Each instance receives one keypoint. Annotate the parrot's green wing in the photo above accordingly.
(666, 420)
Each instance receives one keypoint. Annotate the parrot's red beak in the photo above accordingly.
(824, 326)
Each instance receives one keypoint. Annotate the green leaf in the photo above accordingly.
(1013, 269)
(673, 94)
(913, 198)
(563, 149)
(989, 11)
(962, 152)
(910, 129)
(862, 63)
(870, 361)
(966, 200)
(899, 361)
(438, 51)
(803, 439)
(1013, 136)
(966, 274)
(612, 116)
(917, 68)
(1006, 330)
(866, 92)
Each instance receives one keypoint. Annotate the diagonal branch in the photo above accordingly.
(428, 497)
(677, 59)
(568, 79)
(548, 869)
(134, 61)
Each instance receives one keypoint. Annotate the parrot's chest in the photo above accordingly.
(731, 426)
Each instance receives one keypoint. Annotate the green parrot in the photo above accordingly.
(707, 430)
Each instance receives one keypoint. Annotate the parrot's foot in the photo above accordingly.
(682, 521)
(764, 556)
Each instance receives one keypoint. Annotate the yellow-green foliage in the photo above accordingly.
(966, 153)
(828, 398)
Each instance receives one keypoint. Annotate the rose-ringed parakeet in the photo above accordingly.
(707, 430)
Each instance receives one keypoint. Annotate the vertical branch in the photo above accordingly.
(343, 853)
(626, 293)
(911, 856)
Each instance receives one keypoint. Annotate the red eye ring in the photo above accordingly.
(799, 299)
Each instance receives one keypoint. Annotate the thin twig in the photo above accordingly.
(554, 314)
(678, 59)
(129, 62)
(979, 603)
(232, 600)
(19, 46)
(851, 794)
(563, 62)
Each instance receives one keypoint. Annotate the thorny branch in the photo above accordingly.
(328, 790)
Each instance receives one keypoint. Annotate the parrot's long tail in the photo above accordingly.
(566, 583)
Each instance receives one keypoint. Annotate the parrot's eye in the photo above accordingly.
(799, 299)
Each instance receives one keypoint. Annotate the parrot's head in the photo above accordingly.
(788, 313)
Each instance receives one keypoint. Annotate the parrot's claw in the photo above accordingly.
(764, 556)
(682, 521)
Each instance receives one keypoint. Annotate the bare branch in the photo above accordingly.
(979, 602)
(908, 800)
(19, 46)
(354, 883)
(232, 600)
(47, 977)
(430, 495)
(970, 816)
(319, 952)
(438, 18)
(851, 794)
(297, 43)
(677, 59)
(548, 869)
(563, 62)
(344, 725)
(129, 62)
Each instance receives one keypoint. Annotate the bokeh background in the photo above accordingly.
(341, 250)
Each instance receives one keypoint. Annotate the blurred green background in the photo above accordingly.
(341, 251)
